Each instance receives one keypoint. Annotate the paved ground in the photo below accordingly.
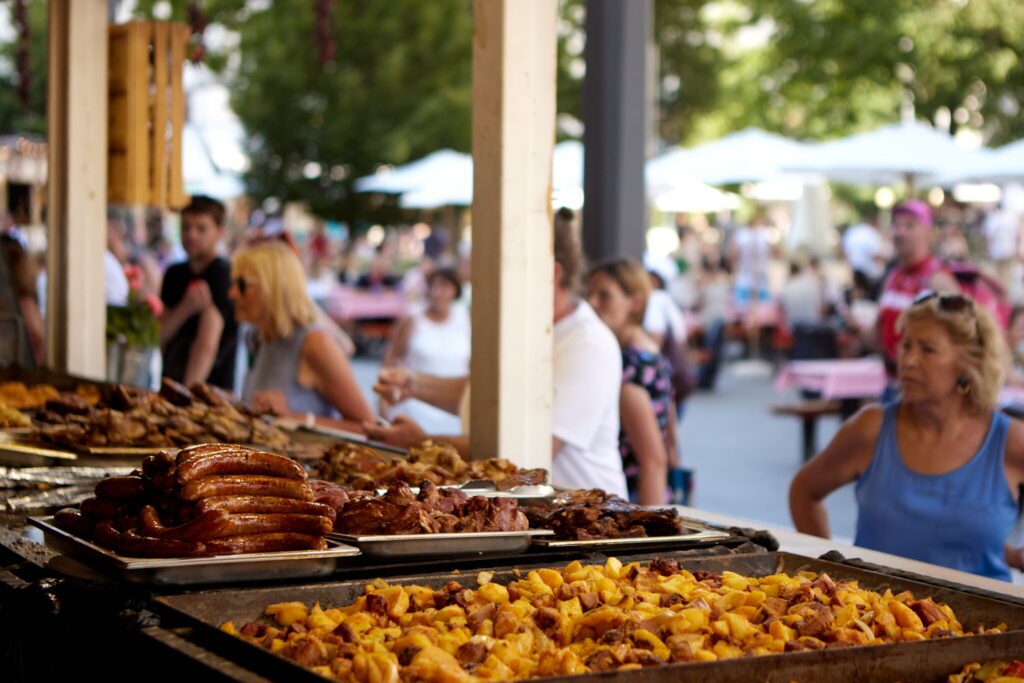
(744, 457)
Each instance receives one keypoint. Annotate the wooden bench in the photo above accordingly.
(809, 411)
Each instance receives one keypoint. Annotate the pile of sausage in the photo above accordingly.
(213, 499)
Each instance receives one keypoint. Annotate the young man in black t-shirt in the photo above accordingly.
(198, 333)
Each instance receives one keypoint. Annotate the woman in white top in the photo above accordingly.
(434, 341)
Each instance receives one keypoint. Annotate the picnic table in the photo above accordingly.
(840, 378)
(366, 314)
(831, 387)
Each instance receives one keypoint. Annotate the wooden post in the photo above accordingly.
(77, 136)
(514, 49)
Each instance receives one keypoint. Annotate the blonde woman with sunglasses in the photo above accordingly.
(299, 370)
(938, 471)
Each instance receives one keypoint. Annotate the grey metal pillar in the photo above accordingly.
(615, 120)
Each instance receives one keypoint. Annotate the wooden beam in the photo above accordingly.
(77, 136)
(514, 52)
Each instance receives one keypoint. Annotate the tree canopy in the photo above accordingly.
(398, 82)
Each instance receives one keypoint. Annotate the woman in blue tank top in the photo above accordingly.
(937, 471)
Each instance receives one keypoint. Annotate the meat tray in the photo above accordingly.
(404, 546)
(294, 564)
(915, 661)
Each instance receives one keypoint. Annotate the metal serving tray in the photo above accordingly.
(19, 454)
(442, 545)
(916, 661)
(526, 494)
(293, 564)
(637, 544)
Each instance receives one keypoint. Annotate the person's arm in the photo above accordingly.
(399, 344)
(406, 433)
(672, 438)
(34, 327)
(395, 385)
(196, 300)
(843, 460)
(332, 376)
(1014, 466)
(348, 347)
(202, 354)
(641, 428)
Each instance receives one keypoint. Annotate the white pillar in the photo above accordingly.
(76, 212)
(514, 54)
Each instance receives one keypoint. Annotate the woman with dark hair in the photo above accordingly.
(433, 341)
(618, 291)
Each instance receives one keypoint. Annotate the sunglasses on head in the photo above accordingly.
(948, 303)
(951, 303)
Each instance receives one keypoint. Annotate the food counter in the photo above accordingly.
(225, 561)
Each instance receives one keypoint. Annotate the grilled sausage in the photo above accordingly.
(240, 462)
(74, 522)
(134, 544)
(103, 508)
(208, 525)
(265, 543)
(121, 488)
(106, 535)
(186, 454)
(266, 505)
(160, 462)
(245, 485)
(252, 524)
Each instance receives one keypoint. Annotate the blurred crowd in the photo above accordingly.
(276, 320)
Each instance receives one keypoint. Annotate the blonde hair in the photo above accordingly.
(631, 277)
(981, 349)
(276, 270)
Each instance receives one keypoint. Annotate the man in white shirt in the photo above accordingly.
(587, 364)
(862, 245)
(1002, 231)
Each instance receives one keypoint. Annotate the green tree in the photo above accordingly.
(17, 116)
(835, 66)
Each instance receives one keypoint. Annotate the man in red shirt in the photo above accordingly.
(916, 270)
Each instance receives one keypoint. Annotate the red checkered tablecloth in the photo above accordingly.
(349, 303)
(835, 379)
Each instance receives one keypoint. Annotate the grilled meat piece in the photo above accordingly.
(433, 510)
(594, 514)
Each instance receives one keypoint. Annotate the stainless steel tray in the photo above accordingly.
(913, 661)
(638, 543)
(196, 570)
(524, 494)
(401, 546)
(21, 454)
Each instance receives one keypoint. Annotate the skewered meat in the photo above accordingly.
(137, 418)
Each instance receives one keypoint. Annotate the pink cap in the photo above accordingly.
(916, 208)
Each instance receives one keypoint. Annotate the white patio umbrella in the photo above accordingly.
(692, 196)
(445, 178)
(750, 155)
(812, 227)
(1000, 166)
(420, 174)
(911, 152)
